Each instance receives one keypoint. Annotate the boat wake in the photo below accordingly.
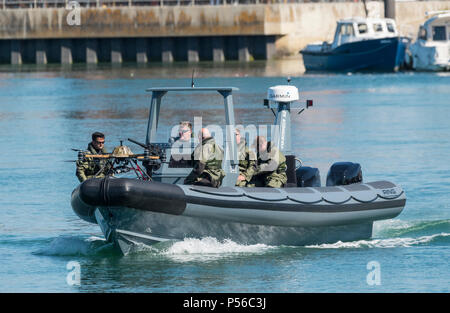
(397, 228)
(75, 246)
(386, 234)
(383, 243)
(397, 233)
(188, 249)
(210, 245)
(204, 249)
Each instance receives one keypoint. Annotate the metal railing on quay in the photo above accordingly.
(30, 4)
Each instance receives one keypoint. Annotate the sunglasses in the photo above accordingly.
(184, 131)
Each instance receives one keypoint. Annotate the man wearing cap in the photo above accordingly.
(90, 167)
(270, 167)
(207, 159)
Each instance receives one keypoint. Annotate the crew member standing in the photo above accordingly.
(90, 167)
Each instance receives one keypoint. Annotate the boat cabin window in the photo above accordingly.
(362, 28)
(377, 27)
(344, 33)
(390, 27)
(347, 30)
(422, 33)
(439, 33)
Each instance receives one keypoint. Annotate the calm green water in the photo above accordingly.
(395, 125)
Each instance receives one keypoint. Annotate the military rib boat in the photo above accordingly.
(156, 207)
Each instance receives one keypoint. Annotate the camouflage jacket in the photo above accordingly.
(271, 161)
(207, 159)
(247, 161)
(87, 168)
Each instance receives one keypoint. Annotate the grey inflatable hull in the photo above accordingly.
(131, 211)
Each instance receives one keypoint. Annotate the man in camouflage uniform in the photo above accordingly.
(207, 159)
(271, 166)
(89, 167)
(247, 161)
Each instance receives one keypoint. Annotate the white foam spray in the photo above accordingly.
(380, 243)
(209, 248)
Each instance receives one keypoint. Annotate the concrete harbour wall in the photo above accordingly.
(186, 33)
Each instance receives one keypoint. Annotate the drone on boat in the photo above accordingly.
(123, 160)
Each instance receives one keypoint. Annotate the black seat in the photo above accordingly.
(290, 171)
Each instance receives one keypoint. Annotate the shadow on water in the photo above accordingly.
(287, 67)
(70, 246)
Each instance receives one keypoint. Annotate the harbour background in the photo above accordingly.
(395, 125)
(142, 31)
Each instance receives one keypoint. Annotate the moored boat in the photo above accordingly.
(431, 50)
(360, 44)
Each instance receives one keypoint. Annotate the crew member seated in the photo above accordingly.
(184, 133)
(207, 159)
(247, 161)
(181, 143)
(270, 167)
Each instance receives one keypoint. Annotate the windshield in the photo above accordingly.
(347, 30)
(180, 109)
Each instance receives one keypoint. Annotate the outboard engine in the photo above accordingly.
(308, 176)
(344, 173)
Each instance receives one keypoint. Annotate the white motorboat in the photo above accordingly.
(431, 50)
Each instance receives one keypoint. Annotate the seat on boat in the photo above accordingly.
(181, 161)
(290, 171)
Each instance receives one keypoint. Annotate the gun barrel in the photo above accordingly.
(138, 143)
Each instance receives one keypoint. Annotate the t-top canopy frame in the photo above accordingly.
(231, 161)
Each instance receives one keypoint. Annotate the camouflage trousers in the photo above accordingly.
(273, 180)
(204, 179)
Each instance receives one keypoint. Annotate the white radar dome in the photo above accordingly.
(285, 93)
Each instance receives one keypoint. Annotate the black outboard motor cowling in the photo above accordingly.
(344, 173)
(308, 177)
